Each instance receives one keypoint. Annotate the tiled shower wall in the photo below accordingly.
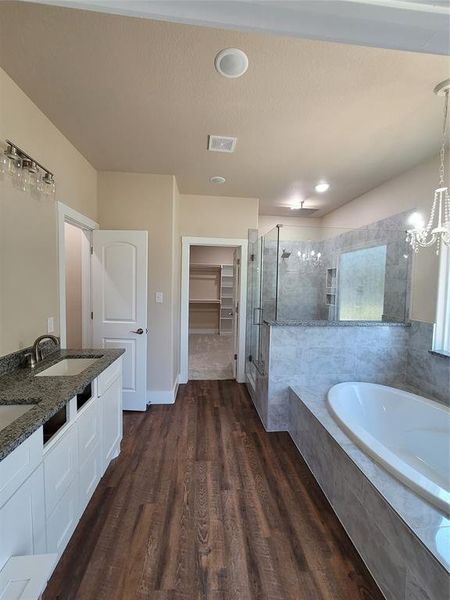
(317, 357)
(302, 293)
(320, 356)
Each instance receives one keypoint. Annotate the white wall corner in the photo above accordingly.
(163, 396)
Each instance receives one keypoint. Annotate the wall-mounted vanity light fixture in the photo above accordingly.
(26, 172)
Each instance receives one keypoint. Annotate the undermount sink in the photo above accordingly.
(67, 367)
(11, 412)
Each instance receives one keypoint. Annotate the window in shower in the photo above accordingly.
(361, 280)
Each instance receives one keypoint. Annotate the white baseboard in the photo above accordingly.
(205, 331)
(163, 396)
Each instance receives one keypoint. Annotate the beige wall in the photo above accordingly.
(211, 255)
(411, 190)
(28, 229)
(72, 240)
(28, 267)
(22, 122)
(146, 202)
(217, 216)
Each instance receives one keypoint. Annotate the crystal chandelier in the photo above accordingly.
(310, 258)
(437, 230)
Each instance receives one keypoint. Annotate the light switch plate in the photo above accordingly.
(50, 325)
(159, 297)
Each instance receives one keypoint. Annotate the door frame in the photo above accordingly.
(186, 243)
(72, 216)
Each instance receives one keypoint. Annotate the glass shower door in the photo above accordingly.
(254, 363)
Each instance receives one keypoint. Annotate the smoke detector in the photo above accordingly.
(231, 62)
(217, 179)
(221, 143)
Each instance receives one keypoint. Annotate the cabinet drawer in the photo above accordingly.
(89, 429)
(18, 465)
(60, 467)
(89, 476)
(108, 376)
(63, 520)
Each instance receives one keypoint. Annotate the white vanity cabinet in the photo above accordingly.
(44, 489)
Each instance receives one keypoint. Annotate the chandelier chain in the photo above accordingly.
(444, 140)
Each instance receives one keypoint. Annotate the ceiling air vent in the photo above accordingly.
(220, 143)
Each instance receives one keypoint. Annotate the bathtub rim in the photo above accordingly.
(397, 467)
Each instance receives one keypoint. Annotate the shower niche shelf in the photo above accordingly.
(331, 278)
(331, 299)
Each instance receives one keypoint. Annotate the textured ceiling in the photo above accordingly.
(142, 96)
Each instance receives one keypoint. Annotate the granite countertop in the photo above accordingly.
(323, 323)
(46, 394)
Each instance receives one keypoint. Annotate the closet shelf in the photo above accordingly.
(204, 301)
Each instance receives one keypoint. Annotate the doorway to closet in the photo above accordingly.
(213, 308)
(212, 311)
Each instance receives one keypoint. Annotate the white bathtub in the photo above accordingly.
(409, 435)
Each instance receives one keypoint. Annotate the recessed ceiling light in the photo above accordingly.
(322, 187)
(217, 179)
(231, 62)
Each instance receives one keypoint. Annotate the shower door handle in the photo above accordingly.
(255, 310)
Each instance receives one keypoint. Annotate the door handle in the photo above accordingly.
(139, 331)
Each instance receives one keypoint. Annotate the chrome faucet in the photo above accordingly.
(36, 353)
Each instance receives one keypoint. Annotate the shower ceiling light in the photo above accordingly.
(322, 187)
(437, 230)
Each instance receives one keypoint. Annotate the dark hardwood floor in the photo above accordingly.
(204, 504)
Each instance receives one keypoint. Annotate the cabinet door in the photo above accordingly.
(60, 467)
(63, 520)
(89, 429)
(112, 421)
(17, 466)
(89, 475)
(22, 520)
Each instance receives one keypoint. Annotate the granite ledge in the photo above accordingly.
(46, 394)
(323, 323)
(422, 519)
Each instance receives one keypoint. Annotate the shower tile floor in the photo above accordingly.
(210, 356)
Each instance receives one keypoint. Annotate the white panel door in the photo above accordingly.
(120, 306)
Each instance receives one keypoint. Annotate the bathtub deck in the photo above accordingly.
(204, 504)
